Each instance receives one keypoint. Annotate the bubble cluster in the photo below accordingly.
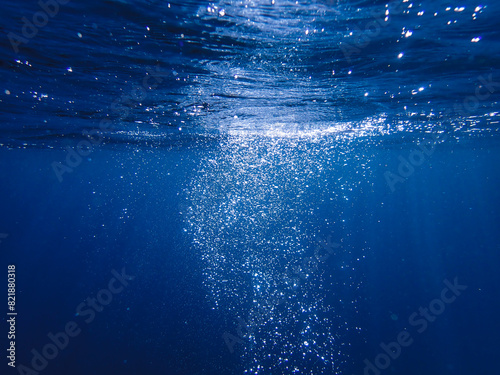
(253, 217)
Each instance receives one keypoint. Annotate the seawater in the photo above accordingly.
(251, 187)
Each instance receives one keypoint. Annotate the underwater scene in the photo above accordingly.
(250, 187)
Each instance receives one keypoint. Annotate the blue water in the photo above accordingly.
(251, 187)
